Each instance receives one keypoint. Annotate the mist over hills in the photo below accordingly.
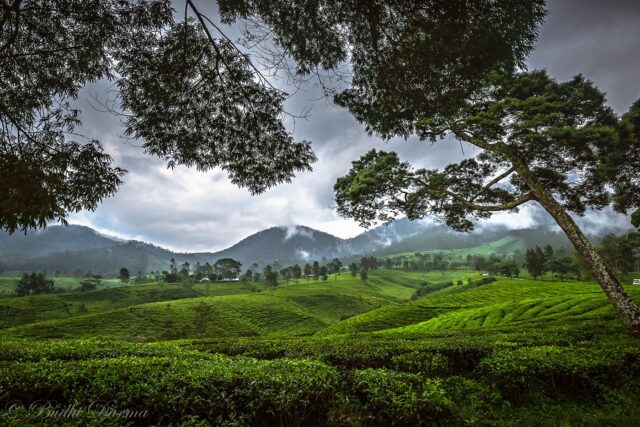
(78, 249)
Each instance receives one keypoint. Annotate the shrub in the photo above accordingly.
(220, 390)
(392, 398)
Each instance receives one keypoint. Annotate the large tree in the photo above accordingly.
(192, 97)
(553, 143)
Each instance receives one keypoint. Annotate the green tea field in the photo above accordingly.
(345, 351)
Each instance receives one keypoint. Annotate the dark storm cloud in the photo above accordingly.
(187, 210)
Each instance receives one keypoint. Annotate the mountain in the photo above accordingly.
(78, 249)
(37, 243)
(285, 245)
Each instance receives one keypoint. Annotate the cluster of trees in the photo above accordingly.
(37, 283)
(420, 261)
(621, 253)
(222, 269)
(540, 261)
(273, 272)
(496, 265)
(34, 284)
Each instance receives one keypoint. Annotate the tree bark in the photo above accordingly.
(626, 308)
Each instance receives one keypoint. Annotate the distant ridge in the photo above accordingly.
(73, 248)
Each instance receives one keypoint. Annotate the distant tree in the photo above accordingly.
(387, 263)
(316, 270)
(353, 268)
(562, 267)
(509, 269)
(173, 267)
(479, 263)
(296, 272)
(257, 276)
(364, 274)
(285, 274)
(90, 283)
(617, 252)
(334, 266)
(124, 275)
(324, 272)
(270, 276)
(227, 268)
(185, 271)
(535, 262)
(34, 284)
(247, 276)
(549, 253)
(307, 270)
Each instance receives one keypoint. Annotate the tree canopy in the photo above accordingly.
(193, 97)
(555, 143)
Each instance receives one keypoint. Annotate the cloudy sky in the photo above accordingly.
(186, 210)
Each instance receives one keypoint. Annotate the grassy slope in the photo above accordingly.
(236, 310)
(506, 245)
(502, 303)
(8, 283)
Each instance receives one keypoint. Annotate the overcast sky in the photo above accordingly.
(186, 210)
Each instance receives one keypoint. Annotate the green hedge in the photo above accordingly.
(222, 390)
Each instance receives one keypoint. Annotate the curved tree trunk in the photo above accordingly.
(626, 308)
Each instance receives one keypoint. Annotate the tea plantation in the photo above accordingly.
(464, 350)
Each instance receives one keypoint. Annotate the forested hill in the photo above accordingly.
(73, 248)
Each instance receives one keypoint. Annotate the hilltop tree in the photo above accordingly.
(324, 272)
(334, 266)
(270, 276)
(184, 272)
(353, 268)
(316, 270)
(124, 275)
(307, 270)
(227, 268)
(285, 273)
(296, 272)
(558, 145)
(34, 284)
(90, 283)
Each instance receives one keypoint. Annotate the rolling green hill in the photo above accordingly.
(504, 302)
(503, 246)
(155, 311)
(340, 352)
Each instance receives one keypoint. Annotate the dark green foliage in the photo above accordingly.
(216, 388)
(562, 267)
(364, 275)
(407, 58)
(353, 268)
(227, 268)
(34, 284)
(90, 283)
(124, 275)
(376, 185)
(270, 276)
(392, 398)
(509, 269)
(535, 259)
(194, 100)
